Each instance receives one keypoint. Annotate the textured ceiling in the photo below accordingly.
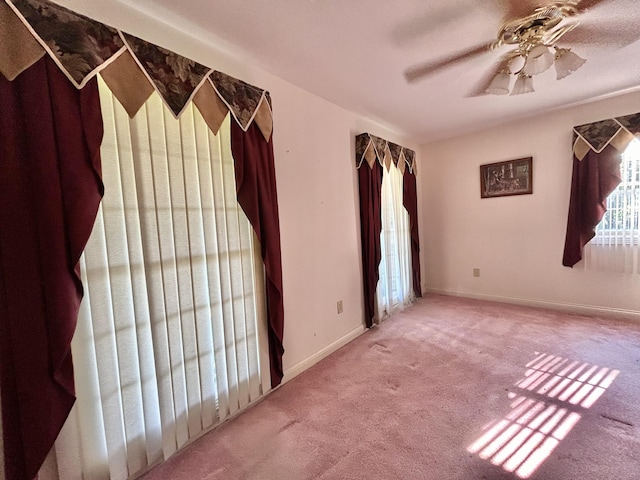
(354, 53)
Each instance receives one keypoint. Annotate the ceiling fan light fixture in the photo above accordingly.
(539, 59)
(524, 84)
(532, 40)
(567, 62)
(499, 84)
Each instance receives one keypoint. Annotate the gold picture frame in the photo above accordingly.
(501, 179)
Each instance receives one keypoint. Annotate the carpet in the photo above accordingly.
(450, 388)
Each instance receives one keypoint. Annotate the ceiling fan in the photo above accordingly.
(534, 40)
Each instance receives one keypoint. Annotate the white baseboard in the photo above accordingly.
(326, 351)
(567, 307)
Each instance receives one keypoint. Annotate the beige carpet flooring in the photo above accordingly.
(448, 389)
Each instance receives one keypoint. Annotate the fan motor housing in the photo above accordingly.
(535, 25)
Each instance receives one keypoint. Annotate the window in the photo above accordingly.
(394, 286)
(619, 225)
(616, 246)
(169, 340)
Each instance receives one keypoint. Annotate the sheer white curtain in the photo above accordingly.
(168, 343)
(394, 289)
(616, 246)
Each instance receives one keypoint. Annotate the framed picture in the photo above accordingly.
(513, 177)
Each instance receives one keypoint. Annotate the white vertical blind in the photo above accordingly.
(167, 343)
(394, 286)
(616, 246)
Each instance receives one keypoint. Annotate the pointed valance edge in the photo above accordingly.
(107, 46)
(596, 136)
(385, 152)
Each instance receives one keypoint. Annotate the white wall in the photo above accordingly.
(320, 220)
(517, 242)
(317, 191)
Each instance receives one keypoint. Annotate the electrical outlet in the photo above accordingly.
(476, 272)
(339, 306)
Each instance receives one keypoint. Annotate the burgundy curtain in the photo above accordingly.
(594, 178)
(370, 183)
(50, 189)
(410, 202)
(256, 191)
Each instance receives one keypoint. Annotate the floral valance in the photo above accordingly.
(131, 67)
(618, 132)
(371, 149)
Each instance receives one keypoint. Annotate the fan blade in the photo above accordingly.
(438, 20)
(521, 8)
(422, 70)
(584, 5)
(518, 8)
(615, 35)
(421, 25)
(480, 87)
(557, 34)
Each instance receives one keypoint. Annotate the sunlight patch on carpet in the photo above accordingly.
(552, 396)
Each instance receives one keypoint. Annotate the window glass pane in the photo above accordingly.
(619, 226)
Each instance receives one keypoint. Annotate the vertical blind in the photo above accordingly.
(616, 246)
(394, 289)
(620, 225)
(169, 337)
